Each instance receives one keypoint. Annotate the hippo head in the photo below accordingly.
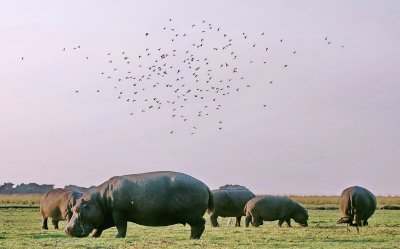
(346, 219)
(86, 216)
(301, 217)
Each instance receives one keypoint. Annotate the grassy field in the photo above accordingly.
(20, 228)
(312, 201)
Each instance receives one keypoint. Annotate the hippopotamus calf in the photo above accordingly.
(357, 204)
(270, 208)
(229, 201)
(149, 199)
(57, 204)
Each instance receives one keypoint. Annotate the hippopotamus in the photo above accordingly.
(151, 199)
(229, 201)
(57, 204)
(357, 204)
(270, 208)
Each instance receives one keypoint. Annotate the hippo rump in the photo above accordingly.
(57, 204)
(149, 199)
(270, 208)
(229, 201)
(357, 204)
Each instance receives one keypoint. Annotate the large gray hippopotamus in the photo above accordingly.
(229, 201)
(149, 199)
(57, 204)
(357, 204)
(270, 208)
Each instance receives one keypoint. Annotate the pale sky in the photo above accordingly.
(331, 119)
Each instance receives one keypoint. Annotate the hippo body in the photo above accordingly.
(57, 204)
(149, 199)
(270, 208)
(357, 205)
(229, 201)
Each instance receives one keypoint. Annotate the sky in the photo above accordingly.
(331, 117)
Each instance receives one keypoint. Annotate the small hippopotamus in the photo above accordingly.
(270, 208)
(150, 199)
(57, 204)
(229, 201)
(357, 205)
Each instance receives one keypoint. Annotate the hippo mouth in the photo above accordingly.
(76, 233)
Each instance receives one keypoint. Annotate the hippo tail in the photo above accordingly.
(210, 200)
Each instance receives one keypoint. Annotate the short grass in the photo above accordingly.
(308, 201)
(20, 228)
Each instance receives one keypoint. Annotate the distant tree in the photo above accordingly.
(7, 188)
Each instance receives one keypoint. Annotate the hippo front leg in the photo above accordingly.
(247, 220)
(288, 223)
(55, 223)
(97, 233)
(280, 222)
(121, 223)
(213, 220)
(237, 224)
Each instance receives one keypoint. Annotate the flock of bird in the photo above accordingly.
(187, 77)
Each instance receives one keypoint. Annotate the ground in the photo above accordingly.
(21, 228)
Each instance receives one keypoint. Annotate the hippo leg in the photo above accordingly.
(121, 225)
(288, 223)
(197, 227)
(256, 221)
(55, 223)
(247, 220)
(213, 220)
(364, 222)
(97, 232)
(280, 222)
(44, 226)
(237, 224)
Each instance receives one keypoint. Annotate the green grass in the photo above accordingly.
(20, 228)
(308, 201)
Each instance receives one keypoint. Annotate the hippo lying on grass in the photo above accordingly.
(270, 208)
(57, 204)
(357, 204)
(229, 201)
(149, 199)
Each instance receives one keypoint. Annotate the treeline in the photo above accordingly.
(34, 188)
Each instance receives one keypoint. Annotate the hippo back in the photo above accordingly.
(230, 201)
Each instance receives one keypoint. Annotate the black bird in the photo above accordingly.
(146, 34)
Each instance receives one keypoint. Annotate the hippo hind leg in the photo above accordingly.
(288, 223)
(280, 222)
(237, 224)
(197, 227)
(55, 223)
(44, 223)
